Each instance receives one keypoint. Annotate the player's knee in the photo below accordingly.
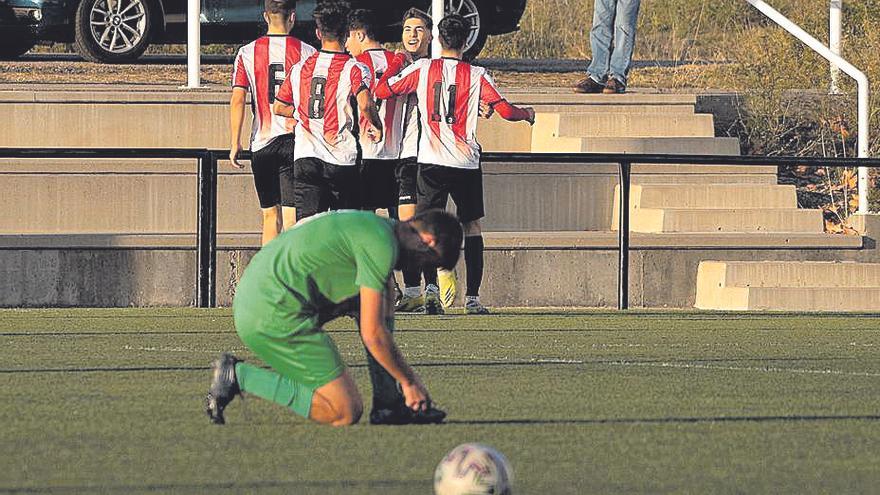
(350, 413)
(270, 214)
(472, 228)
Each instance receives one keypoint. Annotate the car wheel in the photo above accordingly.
(16, 45)
(113, 30)
(469, 9)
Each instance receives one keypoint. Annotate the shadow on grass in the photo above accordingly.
(237, 487)
(452, 364)
(668, 420)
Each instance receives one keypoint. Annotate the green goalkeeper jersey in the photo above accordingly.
(317, 264)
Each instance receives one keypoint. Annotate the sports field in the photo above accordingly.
(110, 401)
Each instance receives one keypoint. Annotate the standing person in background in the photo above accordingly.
(449, 93)
(260, 68)
(321, 93)
(417, 37)
(379, 161)
(612, 40)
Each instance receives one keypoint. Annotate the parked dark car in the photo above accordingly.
(120, 30)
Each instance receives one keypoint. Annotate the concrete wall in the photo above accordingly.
(565, 269)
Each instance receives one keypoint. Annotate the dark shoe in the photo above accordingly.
(403, 415)
(224, 387)
(614, 87)
(588, 85)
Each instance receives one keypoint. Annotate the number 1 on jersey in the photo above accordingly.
(450, 107)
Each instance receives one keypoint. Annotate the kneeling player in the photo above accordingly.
(449, 94)
(311, 274)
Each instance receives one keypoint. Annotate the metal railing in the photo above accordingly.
(206, 242)
(848, 68)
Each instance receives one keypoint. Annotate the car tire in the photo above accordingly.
(15, 45)
(473, 11)
(113, 31)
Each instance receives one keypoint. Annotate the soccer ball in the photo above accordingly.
(473, 469)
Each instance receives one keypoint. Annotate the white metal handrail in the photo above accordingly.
(846, 67)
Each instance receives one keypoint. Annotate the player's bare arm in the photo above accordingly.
(367, 106)
(236, 121)
(283, 109)
(380, 344)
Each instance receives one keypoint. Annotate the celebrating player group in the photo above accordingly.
(353, 126)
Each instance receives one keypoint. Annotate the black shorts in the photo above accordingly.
(407, 181)
(273, 172)
(321, 186)
(437, 183)
(378, 184)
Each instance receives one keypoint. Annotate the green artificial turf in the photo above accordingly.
(110, 401)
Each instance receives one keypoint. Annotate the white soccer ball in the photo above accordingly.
(473, 469)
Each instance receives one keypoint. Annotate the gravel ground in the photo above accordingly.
(216, 70)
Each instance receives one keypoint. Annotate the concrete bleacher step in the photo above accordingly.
(709, 196)
(658, 220)
(607, 124)
(610, 108)
(788, 286)
(662, 145)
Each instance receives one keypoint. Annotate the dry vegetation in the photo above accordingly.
(730, 45)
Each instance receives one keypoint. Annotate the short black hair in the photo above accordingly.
(414, 13)
(363, 20)
(280, 7)
(331, 18)
(454, 30)
(447, 233)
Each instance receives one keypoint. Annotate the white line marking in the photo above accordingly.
(761, 369)
(178, 349)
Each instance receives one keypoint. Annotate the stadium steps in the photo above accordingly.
(788, 286)
(550, 127)
(657, 220)
(655, 207)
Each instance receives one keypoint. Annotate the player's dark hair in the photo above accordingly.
(447, 233)
(454, 31)
(332, 20)
(280, 7)
(414, 13)
(363, 20)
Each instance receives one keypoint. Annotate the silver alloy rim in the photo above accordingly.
(469, 11)
(118, 25)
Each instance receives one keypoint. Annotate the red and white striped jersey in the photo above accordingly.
(449, 94)
(260, 67)
(391, 111)
(321, 88)
(409, 148)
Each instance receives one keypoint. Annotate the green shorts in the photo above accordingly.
(299, 349)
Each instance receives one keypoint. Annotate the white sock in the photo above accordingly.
(471, 300)
(412, 291)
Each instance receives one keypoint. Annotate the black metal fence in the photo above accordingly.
(206, 243)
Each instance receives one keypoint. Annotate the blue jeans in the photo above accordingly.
(621, 15)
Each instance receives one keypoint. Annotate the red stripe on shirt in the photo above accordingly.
(292, 52)
(305, 88)
(435, 77)
(462, 100)
(331, 118)
(239, 75)
(261, 76)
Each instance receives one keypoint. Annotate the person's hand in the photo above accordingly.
(407, 57)
(531, 112)
(486, 111)
(233, 155)
(374, 134)
(416, 395)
